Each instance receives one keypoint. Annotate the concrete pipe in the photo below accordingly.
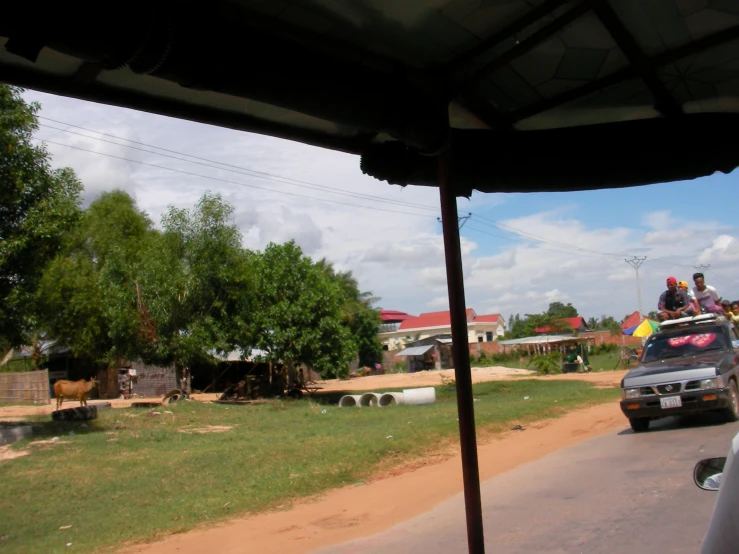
(418, 397)
(369, 399)
(391, 399)
(349, 400)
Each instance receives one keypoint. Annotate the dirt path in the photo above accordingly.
(372, 382)
(357, 511)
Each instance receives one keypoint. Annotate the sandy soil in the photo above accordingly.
(357, 511)
(395, 380)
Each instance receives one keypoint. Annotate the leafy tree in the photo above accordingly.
(364, 330)
(592, 323)
(190, 293)
(558, 310)
(299, 316)
(73, 288)
(654, 316)
(358, 313)
(37, 206)
(608, 323)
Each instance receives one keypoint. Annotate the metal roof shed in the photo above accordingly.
(505, 96)
(415, 350)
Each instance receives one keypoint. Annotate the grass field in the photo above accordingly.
(600, 362)
(131, 476)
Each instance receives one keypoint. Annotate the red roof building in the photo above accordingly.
(394, 316)
(481, 328)
(564, 326)
(633, 319)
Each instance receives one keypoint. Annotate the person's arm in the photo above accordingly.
(715, 295)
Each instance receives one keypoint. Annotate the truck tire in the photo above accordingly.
(731, 413)
(83, 413)
(639, 424)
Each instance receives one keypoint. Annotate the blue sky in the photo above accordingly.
(571, 250)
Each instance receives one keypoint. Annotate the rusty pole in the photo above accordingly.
(461, 355)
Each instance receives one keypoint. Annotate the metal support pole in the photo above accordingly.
(461, 354)
(636, 262)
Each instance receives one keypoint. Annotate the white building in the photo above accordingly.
(480, 328)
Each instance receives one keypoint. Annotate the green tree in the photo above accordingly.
(37, 206)
(189, 295)
(299, 317)
(558, 310)
(73, 288)
(364, 330)
(358, 314)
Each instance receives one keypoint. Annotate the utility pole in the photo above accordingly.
(636, 262)
(702, 267)
(461, 220)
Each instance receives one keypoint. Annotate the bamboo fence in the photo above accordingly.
(30, 387)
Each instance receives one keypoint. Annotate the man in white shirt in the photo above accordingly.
(707, 298)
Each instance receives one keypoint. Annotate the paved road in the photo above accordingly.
(619, 493)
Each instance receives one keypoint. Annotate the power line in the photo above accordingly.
(230, 167)
(580, 254)
(531, 236)
(229, 181)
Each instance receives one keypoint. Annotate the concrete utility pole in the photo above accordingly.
(461, 220)
(636, 262)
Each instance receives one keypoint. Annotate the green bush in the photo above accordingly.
(605, 348)
(547, 364)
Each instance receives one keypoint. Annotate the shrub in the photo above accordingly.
(547, 364)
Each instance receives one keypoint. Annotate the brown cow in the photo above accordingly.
(73, 389)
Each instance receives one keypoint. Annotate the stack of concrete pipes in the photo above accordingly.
(416, 397)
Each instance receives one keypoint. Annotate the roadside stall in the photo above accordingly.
(574, 350)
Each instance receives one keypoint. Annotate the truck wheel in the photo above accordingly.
(83, 413)
(639, 424)
(732, 412)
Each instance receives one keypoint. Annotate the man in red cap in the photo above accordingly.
(674, 303)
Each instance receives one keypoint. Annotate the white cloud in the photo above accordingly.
(724, 248)
(397, 256)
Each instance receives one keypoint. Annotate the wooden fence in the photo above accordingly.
(28, 387)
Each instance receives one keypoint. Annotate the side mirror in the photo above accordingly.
(707, 473)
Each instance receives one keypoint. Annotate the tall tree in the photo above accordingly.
(299, 319)
(73, 288)
(358, 313)
(558, 310)
(191, 292)
(37, 206)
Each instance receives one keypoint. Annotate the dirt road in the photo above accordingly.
(359, 511)
(372, 382)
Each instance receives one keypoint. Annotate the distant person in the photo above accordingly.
(726, 307)
(674, 303)
(735, 311)
(683, 286)
(707, 299)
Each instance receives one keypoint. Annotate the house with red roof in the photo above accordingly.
(633, 319)
(564, 326)
(480, 328)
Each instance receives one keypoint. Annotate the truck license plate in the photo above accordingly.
(670, 402)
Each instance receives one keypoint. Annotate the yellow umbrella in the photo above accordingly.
(646, 328)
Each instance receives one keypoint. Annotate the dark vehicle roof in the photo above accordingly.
(714, 327)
